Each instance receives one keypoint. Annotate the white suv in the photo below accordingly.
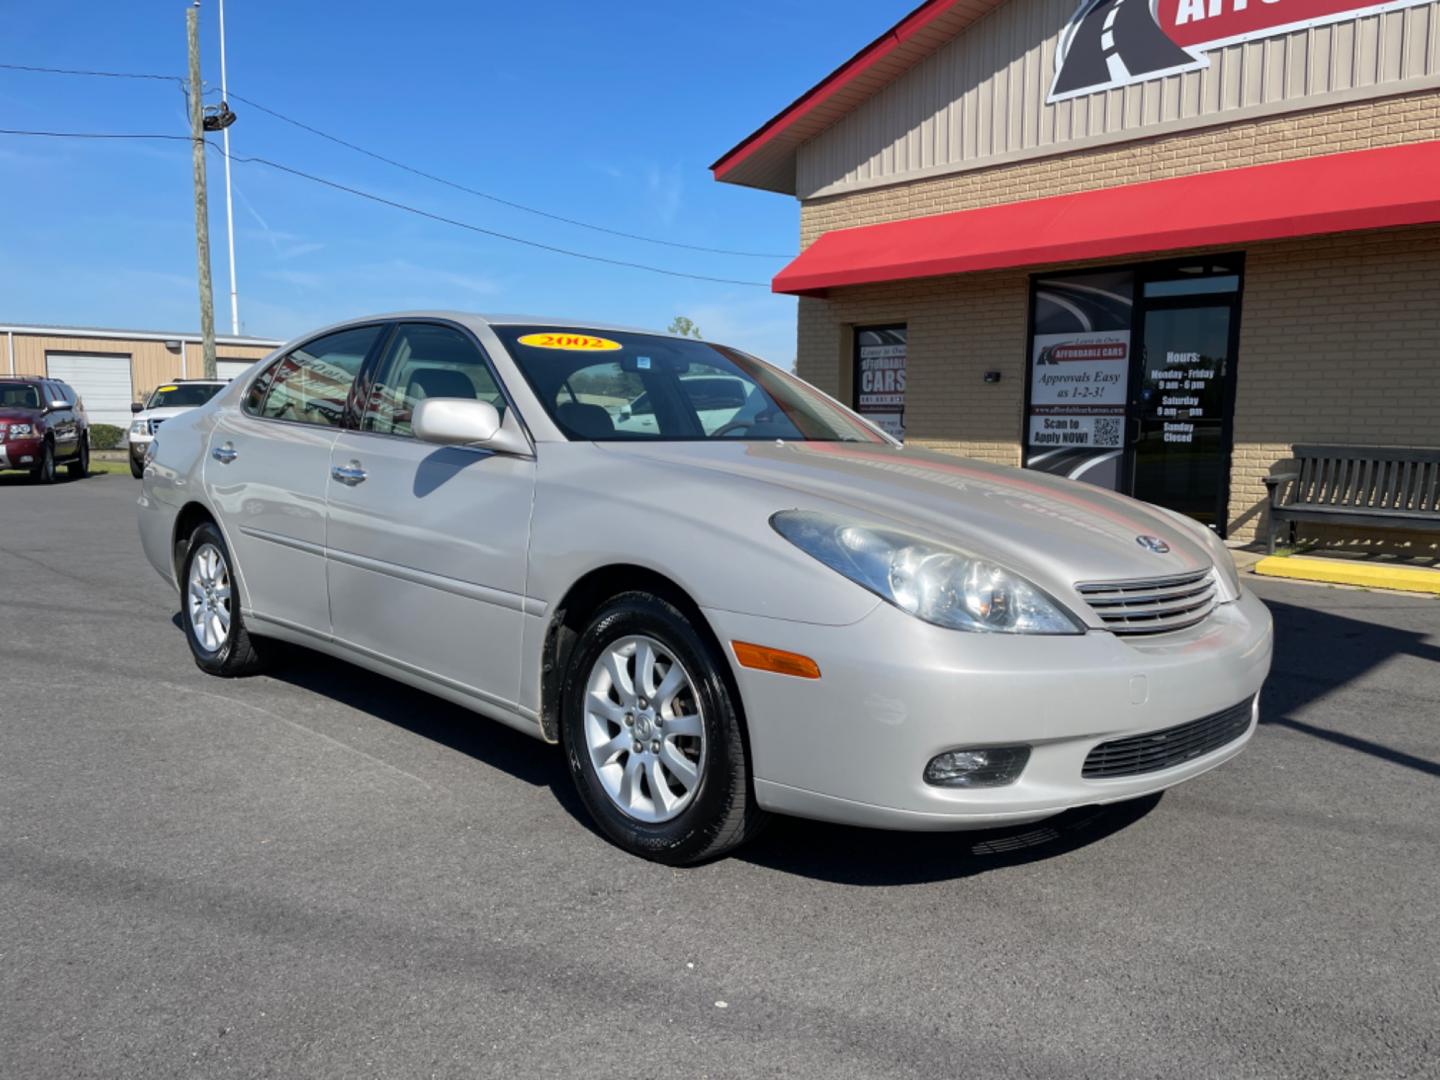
(165, 401)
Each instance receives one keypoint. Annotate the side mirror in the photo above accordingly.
(468, 422)
(58, 404)
(137, 407)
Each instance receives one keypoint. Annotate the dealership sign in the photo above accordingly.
(1114, 43)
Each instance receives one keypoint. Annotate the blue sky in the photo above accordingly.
(606, 112)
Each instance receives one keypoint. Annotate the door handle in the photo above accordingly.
(225, 454)
(349, 475)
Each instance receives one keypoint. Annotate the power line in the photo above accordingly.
(496, 198)
(359, 193)
(92, 135)
(96, 74)
(432, 177)
(488, 232)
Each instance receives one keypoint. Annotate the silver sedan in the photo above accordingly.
(758, 603)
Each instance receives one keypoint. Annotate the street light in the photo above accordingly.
(224, 128)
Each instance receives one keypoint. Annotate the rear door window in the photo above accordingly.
(311, 384)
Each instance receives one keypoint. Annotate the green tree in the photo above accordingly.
(684, 327)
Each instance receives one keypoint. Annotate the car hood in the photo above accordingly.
(1056, 531)
(163, 414)
(17, 415)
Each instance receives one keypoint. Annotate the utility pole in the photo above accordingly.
(202, 213)
(229, 208)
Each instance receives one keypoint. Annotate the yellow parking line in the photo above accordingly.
(1340, 572)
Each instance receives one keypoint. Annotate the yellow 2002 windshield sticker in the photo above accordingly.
(570, 342)
(166, 389)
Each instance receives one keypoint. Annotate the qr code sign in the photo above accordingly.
(1107, 431)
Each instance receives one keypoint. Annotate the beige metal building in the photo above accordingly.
(1152, 246)
(109, 369)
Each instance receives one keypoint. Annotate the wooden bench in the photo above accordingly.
(1373, 486)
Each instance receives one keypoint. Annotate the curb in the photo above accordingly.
(1366, 576)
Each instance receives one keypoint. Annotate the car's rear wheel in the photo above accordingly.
(80, 467)
(653, 735)
(44, 470)
(214, 627)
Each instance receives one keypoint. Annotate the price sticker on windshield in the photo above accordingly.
(570, 342)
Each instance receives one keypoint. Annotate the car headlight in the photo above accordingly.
(22, 431)
(140, 427)
(1227, 577)
(941, 585)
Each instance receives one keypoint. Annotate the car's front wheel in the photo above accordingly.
(137, 466)
(652, 733)
(44, 470)
(214, 626)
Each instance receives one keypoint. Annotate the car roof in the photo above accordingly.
(492, 319)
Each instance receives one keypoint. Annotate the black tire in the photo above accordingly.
(80, 467)
(44, 470)
(137, 467)
(722, 813)
(236, 654)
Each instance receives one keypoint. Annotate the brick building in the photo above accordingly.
(1149, 246)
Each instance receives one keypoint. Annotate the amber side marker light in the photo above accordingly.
(777, 660)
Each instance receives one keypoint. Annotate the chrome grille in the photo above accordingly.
(1156, 750)
(1152, 606)
(155, 425)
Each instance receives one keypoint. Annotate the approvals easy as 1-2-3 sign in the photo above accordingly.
(1113, 43)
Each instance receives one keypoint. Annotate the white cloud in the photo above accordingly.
(666, 187)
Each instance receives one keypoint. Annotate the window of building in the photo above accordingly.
(880, 377)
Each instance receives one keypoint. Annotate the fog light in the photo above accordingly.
(984, 766)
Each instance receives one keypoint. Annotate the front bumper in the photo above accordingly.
(20, 453)
(894, 692)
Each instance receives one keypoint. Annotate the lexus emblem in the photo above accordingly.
(1153, 543)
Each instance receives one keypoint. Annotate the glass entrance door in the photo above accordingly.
(1180, 407)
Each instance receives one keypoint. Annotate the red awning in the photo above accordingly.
(1363, 189)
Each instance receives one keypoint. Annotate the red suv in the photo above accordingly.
(42, 421)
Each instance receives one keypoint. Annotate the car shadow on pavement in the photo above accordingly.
(487, 741)
(810, 849)
(851, 856)
(1317, 652)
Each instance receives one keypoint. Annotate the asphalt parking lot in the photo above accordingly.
(322, 873)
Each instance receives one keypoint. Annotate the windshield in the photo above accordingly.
(19, 395)
(613, 385)
(183, 395)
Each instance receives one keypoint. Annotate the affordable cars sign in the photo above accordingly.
(1114, 43)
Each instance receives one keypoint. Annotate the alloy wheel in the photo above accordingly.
(644, 730)
(208, 598)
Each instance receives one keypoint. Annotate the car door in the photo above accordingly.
(60, 418)
(427, 544)
(268, 470)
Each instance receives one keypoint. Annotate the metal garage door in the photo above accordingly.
(232, 369)
(103, 383)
